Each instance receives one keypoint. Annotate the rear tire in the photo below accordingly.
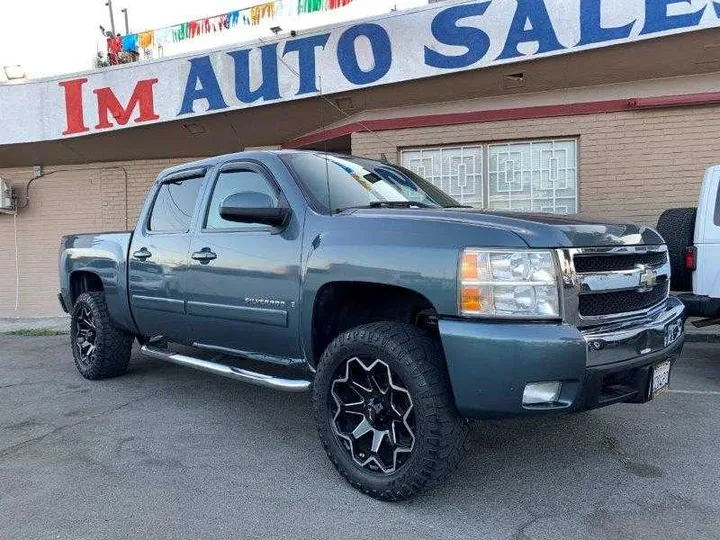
(422, 437)
(677, 227)
(100, 348)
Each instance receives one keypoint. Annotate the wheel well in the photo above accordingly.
(341, 306)
(82, 282)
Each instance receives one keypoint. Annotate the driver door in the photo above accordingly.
(243, 282)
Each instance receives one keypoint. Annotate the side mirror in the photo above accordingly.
(253, 207)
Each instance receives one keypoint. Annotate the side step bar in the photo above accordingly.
(258, 379)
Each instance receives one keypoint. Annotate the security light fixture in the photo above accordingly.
(276, 29)
(14, 73)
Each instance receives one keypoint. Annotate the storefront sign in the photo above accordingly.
(425, 42)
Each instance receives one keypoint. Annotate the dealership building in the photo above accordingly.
(607, 109)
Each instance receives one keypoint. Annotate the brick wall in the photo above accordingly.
(632, 165)
(71, 201)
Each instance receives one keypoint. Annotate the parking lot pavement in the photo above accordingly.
(167, 452)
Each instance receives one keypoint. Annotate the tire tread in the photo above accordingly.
(448, 435)
(114, 343)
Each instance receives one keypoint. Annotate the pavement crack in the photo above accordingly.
(520, 532)
(59, 429)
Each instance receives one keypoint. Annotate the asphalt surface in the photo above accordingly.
(166, 452)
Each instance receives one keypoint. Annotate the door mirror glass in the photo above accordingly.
(253, 207)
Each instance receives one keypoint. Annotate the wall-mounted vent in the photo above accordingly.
(514, 80)
(345, 104)
(195, 128)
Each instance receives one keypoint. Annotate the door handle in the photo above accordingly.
(204, 256)
(142, 255)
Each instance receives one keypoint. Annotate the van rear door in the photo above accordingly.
(706, 279)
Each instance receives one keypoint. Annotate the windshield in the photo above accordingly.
(361, 183)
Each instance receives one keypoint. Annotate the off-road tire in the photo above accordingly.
(114, 345)
(441, 437)
(677, 227)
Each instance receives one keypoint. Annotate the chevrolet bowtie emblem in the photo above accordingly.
(648, 278)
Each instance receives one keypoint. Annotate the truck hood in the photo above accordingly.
(536, 230)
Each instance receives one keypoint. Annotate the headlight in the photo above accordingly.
(497, 283)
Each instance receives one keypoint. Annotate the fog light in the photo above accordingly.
(541, 393)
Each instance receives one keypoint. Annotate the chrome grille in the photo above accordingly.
(605, 284)
(597, 305)
(614, 263)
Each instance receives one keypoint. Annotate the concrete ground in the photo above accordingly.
(166, 452)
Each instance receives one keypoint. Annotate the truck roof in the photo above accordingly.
(214, 160)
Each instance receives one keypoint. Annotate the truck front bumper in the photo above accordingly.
(490, 363)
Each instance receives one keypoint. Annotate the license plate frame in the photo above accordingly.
(660, 378)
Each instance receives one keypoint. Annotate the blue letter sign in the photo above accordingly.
(446, 30)
(381, 50)
(532, 13)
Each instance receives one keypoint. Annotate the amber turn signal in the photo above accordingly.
(470, 299)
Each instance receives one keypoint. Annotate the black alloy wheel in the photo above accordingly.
(101, 348)
(373, 415)
(384, 410)
(85, 335)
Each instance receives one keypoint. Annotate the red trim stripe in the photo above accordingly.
(520, 113)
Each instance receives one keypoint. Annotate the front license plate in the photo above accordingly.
(673, 331)
(660, 379)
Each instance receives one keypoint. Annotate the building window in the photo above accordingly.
(530, 176)
(457, 170)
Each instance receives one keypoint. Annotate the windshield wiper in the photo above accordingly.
(458, 206)
(387, 204)
(398, 204)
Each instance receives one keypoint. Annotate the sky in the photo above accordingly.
(53, 37)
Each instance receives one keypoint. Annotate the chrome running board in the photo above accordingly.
(258, 379)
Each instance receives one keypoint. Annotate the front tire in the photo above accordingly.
(100, 348)
(384, 410)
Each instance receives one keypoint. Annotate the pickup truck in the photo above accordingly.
(403, 312)
(693, 239)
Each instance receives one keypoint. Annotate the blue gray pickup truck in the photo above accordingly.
(403, 312)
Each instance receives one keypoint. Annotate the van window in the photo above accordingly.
(174, 205)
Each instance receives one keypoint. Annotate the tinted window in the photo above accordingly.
(174, 205)
(233, 182)
(338, 182)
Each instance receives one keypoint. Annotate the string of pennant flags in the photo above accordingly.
(251, 16)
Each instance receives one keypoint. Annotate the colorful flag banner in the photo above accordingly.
(251, 16)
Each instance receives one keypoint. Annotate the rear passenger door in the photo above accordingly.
(158, 260)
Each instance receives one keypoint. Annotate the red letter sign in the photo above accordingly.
(74, 106)
(108, 103)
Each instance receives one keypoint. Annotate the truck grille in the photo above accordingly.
(605, 284)
(616, 263)
(596, 305)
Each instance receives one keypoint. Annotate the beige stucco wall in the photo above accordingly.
(71, 201)
(632, 165)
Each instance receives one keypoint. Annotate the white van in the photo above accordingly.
(693, 238)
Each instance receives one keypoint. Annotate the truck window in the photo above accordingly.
(174, 205)
(334, 182)
(232, 182)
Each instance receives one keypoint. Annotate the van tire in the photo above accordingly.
(416, 364)
(677, 227)
(91, 326)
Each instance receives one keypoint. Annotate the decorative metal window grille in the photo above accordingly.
(458, 170)
(532, 176)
